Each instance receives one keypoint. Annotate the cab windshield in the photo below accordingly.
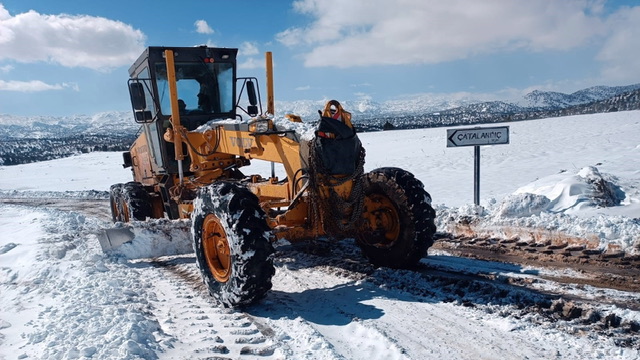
(203, 88)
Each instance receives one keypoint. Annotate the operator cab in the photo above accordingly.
(206, 84)
(205, 80)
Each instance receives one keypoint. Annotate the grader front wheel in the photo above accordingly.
(398, 220)
(231, 243)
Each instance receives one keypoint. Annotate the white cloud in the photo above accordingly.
(33, 86)
(291, 36)
(621, 49)
(6, 68)
(303, 88)
(202, 27)
(71, 41)
(252, 63)
(348, 33)
(248, 48)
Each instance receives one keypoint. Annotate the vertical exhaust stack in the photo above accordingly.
(270, 100)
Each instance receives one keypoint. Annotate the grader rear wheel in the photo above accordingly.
(231, 243)
(398, 220)
(129, 202)
(116, 202)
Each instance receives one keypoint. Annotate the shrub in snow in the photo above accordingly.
(604, 192)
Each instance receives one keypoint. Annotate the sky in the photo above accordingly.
(70, 57)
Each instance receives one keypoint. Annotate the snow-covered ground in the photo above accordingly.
(61, 298)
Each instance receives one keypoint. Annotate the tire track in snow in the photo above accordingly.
(352, 306)
(314, 310)
(197, 326)
(360, 321)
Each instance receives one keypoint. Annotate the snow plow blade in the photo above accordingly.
(111, 239)
(147, 239)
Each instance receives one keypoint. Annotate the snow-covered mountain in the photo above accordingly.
(38, 138)
(28, 139)
(37, 127)
(418, 106)
(552, 99)
(366, 108)
(464, 104)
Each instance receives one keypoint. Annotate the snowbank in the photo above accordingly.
(61, 299)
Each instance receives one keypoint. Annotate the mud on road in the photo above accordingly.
(596, 267)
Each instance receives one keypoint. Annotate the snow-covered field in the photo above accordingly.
(61, 298)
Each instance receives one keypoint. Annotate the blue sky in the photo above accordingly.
(69, 57)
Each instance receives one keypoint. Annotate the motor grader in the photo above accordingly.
(198, 131)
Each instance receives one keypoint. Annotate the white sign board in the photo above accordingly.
(478, 136)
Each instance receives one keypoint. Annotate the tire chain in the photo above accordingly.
(335, 206)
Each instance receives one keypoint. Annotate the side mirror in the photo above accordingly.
(136, 92)
(252, 109)
(139, 102)
(251, 91)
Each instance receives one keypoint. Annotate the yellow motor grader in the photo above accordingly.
(197, 134)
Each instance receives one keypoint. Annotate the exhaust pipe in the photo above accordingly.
(270, 99)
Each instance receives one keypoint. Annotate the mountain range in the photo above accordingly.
(36, 138)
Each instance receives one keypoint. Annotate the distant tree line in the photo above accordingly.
(495, 112)
(24, 151)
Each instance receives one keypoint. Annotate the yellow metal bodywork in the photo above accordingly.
(235, 148)
(141, 160)
(213, 152)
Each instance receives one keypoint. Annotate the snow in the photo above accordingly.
(94, 171)
(62, 298)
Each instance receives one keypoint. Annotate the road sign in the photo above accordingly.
(478, 136)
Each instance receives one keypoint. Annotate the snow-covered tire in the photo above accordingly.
(398, 220)
(231, 243)
(129, 201)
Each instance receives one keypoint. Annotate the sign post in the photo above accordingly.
(477, 137)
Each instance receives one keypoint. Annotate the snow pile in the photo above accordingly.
(211, 125)
(566, 203)
(62, 299)
(523, 205)
(569, 194)
(304, 130)
(556, 206)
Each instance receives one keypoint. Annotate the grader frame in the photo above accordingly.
(186, 162)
